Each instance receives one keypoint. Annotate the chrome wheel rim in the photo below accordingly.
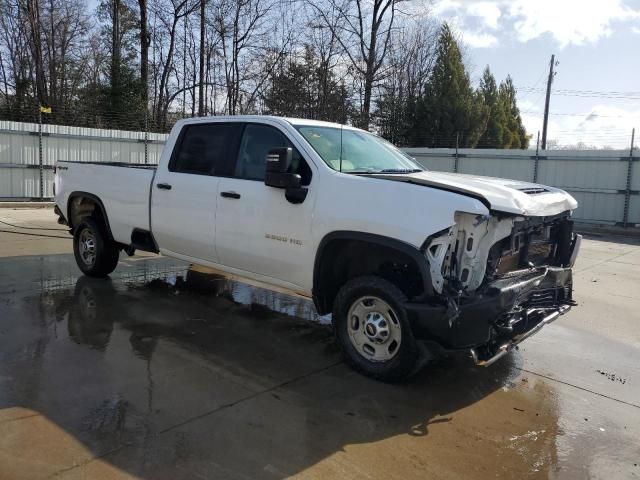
(374, 329)
(87, 247)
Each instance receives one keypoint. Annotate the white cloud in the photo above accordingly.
(635, 30)
(528, 105)
(568, 21)
(479, 39)
(576, 22)
(488, 12)
(473, 20)
(603, 126)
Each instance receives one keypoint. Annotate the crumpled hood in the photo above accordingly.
(504, 195)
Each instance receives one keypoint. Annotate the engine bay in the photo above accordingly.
(479, 249)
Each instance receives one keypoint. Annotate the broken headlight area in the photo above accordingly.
(479, 249)
(496, 282)
(532, 243)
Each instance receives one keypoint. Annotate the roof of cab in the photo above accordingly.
(248, 118)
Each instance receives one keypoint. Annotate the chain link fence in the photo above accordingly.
(606, 183)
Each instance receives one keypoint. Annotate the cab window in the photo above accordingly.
(204, 149)
(257, 141)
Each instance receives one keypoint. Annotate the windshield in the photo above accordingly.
(353, 151)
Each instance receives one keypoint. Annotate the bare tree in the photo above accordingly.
(364, 36)
(63, 42)
(115, 46)
(243, 28)
(145, 40)
(15, 55)
(178, 9)
(201, 99)
(326, 45)
(32, 14)
(404, 74)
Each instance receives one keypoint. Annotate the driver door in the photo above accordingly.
(258, 231)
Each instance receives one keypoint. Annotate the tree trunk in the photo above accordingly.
(115, 47)
(201, 99)
(162, 109)
(370, 71)
(53, 67)
(35, 43)
(144, 52)
(366, 107)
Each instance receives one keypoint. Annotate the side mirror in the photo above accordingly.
(276, 175)
(279, 159)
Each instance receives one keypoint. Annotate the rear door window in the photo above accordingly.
(205, 149)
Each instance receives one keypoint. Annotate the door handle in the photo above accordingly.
(163, 186)
(230, 195)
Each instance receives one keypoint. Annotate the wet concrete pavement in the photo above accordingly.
(163, 372)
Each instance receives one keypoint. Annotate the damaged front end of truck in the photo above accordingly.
(497, 279)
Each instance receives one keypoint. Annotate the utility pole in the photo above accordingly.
(546, 103)
(40, 164)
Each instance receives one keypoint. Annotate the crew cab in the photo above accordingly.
(412, 264)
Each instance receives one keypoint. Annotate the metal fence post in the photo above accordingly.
(536, 160)
(455, 163)
(146, 136)
(40, 152)
(627, 193)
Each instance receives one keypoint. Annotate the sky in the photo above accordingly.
(596, 44)
(597, 47)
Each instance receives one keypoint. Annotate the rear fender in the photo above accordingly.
(77, 208)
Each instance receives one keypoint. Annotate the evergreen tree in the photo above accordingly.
(302, 88)
(514, 133)
(448, 107)
(494, 130)
(396, 116)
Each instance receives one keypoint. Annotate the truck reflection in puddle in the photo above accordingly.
(200, 374)
(97, 301)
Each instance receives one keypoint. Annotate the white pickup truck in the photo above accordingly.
(411, 263)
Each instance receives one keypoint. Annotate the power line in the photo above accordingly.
(544, 71)
(586, 114)
(587, 93)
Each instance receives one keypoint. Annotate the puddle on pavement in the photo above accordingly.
(258, 299)
(201, 375)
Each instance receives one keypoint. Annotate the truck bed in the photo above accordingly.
(123, 189)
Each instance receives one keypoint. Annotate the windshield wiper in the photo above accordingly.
(400, 170)
(386, 170)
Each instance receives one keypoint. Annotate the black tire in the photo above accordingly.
(105, 252)
(406, 359)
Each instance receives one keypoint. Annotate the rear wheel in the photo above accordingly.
(373, 330)
(96, 255)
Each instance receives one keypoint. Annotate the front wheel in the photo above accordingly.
(373, 330)
(96, 255)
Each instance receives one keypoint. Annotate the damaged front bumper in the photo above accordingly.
(488, 355)
(506, 312)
